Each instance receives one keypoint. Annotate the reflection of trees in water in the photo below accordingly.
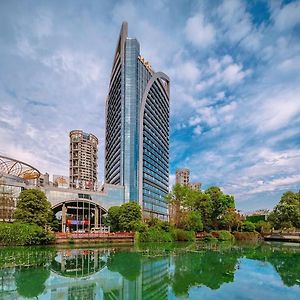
(144, 275)
(27, 268)
(286, 261)
(209, 268)
(30, 282)
(128, 264)
(25, 256)
(77, 263)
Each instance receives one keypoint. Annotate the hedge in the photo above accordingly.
(20, 234)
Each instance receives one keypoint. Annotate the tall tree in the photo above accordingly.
(220, 201)
(287, 212)
(231, 218)
(113, 218)
(33, 207)
(124, 217)
(130, 215)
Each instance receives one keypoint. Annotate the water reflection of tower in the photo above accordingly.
(155, 279)
(150, 281)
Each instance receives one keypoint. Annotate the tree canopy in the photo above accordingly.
(286, 213)
(210, 206)
(33, 208)
(124, 217)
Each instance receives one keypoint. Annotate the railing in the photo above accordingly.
(93, 235)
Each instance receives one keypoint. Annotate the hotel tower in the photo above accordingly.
(137, 128)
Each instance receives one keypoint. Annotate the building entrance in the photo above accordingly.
(79, 215)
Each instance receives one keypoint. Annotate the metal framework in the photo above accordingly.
(11, 166)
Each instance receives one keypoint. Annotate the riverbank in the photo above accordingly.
(94, 238)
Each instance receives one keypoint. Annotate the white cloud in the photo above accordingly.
(287, 16)
(234, 73)
(199, 32)
(198, 130)
(275, 109)
(235, 19)
(276, 184)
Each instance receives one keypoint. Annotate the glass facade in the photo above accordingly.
(10, 188)
(137, 129)
(156, 149)
(131, 108)
(111, 195)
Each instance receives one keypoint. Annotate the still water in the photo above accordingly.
(161, 271)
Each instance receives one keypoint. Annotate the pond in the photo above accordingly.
(154, 271)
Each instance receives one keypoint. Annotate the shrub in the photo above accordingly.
(155, 234)
(248, 226)
(139, 226)
(23, 234)
(183, 235)
(210, 238)
(222, 235)
(225, 235)
(262, 226)
(255, 218)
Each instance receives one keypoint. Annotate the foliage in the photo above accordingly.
(248, 226)
(125, 217)
(255, 218)
(33, 208)
(193, 222)
(155, 234)
(262, 226)
(231, 219)
(211, 205)
(23, 234)
(130, 213)
(55, 224)
(113, 218)
(222, 235)
(183, 235)
(220, 201)
(286, 213)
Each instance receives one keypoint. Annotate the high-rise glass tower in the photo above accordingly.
(137, 128)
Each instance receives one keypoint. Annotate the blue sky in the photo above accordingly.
(235, 85)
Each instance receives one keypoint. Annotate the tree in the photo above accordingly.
(231, 218)
(124, 217)
(33, 207)
(130, 215)
(286, 213)
(220, 201)
(178, 200)
(113, 218)
(203, 205)
(248, 226)
(193, 221)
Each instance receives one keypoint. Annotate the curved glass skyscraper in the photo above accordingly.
(137, 128)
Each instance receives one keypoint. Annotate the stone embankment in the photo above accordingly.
(282, 236)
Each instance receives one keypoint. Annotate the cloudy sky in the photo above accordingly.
(235, 85)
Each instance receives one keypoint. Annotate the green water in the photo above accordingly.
(161, 271)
